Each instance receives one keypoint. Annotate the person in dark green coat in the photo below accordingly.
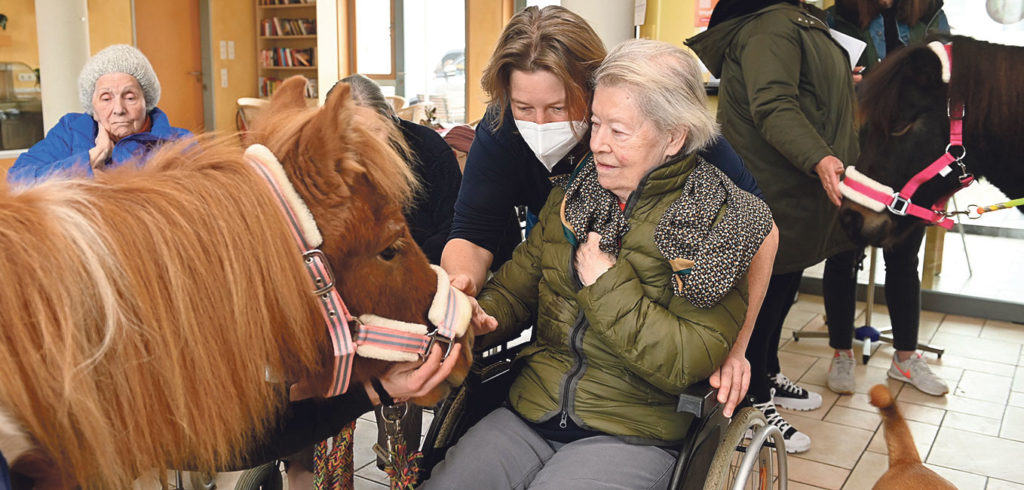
(635, 281)
(885, 26)
(786, 102)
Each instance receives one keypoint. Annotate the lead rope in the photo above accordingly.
(974, 211)
(332, 461)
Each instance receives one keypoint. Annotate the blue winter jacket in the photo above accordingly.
(65, 149)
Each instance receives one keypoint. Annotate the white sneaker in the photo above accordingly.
(796, 441)
(840, 373)
(788, 395)
(916, 372)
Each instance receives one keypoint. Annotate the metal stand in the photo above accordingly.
(867, 333)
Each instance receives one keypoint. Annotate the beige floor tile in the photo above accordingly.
(923, 434)
(976, 348)
(984, 386)
(853, 418)
(982, 366)
(961, 479)
(996, 484)
(795, 366)
(869, 469)
(972, 423)
(828, 399)
(809, 347)
(1013, 424)
(921, 413)
(361, 483)
(832, 444)
(798, 319)
(1016, 399)
(1004, 331)
(961, 325)
(990, 456)
(809, 302)
(362, 452)
(954, 403)
(795, 485)
(1018, 379)
(817, 474)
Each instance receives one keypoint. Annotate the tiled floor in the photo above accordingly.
(974, 436)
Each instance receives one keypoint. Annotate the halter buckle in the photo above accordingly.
(436, 337)
(899, 204)
(309, 256)
(957, 112)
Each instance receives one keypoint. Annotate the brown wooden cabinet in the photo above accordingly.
(285, 43)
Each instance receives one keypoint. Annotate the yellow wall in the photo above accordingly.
(484, 21)
(110, 22)
(18, 42)
(233, 20)
(670, 21)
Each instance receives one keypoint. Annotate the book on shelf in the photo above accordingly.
(276, 26)
(268, 85)
(287, 57)
(287, 2)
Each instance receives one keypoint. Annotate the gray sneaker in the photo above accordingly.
(840, 373)
(916, 372)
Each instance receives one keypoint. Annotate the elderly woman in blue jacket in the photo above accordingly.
(119, 91)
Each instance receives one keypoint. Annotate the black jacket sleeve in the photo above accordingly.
(304, 423)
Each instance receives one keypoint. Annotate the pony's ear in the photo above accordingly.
(338, 109)
(290, 95)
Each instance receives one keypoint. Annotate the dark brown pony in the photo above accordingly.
(903, 105)
(142, 310)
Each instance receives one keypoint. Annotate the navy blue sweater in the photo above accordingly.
(502, 172)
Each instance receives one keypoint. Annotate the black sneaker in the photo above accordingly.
(789, 395)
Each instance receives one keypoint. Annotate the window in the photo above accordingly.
(373, 39)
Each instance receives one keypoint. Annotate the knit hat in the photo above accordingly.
(118, 58)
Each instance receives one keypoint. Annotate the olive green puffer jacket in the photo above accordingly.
(612, 356)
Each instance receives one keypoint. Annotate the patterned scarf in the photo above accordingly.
(709, 234)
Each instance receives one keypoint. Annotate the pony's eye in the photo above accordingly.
(389, 253)
(903, 129)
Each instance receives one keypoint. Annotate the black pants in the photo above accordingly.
(839, 287)
(902, 294)
(763, 349)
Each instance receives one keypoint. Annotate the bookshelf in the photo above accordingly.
(285, 43)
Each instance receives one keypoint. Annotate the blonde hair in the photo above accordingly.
(553, 39)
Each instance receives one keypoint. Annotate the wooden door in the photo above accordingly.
(168, 33)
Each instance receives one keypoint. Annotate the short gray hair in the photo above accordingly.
(367, 93)
(118, 58)
(667, 85)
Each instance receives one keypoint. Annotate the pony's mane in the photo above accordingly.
(986, 77)
(878, 95)
(182, 266)
(297, 136)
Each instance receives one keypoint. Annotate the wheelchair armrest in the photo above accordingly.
(699, 399)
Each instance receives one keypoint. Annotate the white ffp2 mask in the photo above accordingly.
(551, 141)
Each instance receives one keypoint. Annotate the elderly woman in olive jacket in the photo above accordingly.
(634, 278)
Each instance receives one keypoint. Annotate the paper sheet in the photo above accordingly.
(853, 46)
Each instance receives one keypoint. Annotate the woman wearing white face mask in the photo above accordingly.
(534, 129)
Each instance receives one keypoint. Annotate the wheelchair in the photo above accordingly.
(717, 453)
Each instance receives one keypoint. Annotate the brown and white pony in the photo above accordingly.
(143, 311)
(904, 103)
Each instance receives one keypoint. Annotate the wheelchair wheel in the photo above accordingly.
(752, 455)
(263, 477)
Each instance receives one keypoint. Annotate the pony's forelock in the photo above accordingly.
(140, 280)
